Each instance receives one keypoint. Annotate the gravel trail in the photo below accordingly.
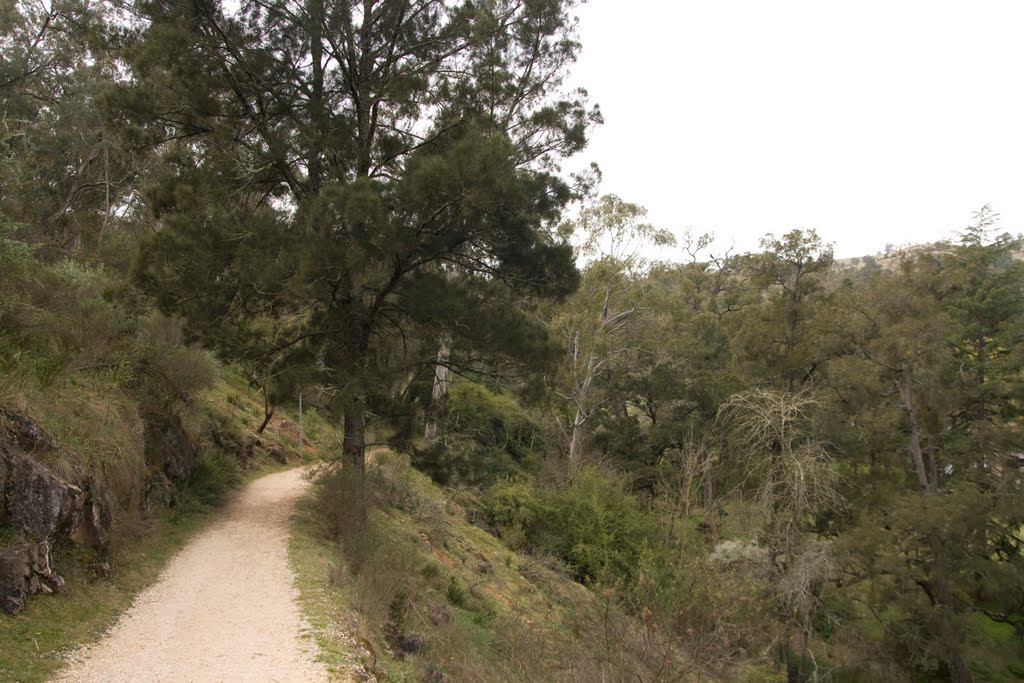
(224, 609)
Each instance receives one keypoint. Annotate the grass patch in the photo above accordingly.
(8, 536)
(214, 475)
(323, 602)
(98, 431)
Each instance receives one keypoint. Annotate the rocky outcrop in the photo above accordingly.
(33, 501)
(93, 530)
(278, 453)
(232, 445)
(159, 491)
(169, 450)
(26, 570)
(25, 432)
(41, 507)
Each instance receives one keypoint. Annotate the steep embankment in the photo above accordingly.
(224, 609)
(421, 593)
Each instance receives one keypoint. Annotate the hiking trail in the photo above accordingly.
(224, 609)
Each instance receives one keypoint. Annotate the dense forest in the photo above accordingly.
(772, 462)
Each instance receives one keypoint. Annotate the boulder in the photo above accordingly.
(38, 504)
(169, 450)
(34, 501)
(25, 570)
(159, 491)
(252, 445)
(25, 432)
(277, 452)
(410, 643)
(233, 446)
(41, 507)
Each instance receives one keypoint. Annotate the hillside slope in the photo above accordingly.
(422, 594)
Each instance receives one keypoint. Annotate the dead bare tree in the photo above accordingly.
(793, 481)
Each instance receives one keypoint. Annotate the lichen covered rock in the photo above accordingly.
(33, 500)
(169, 449)
(25, 570)
(42, 508)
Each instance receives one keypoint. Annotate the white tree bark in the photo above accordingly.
(905, 381)
(439, 393)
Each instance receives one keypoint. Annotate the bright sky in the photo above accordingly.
(872, 121)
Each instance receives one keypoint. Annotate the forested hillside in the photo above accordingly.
(757, 466)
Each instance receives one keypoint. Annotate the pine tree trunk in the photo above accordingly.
(353, 470)
(439, 394)
(959, 672)
(353, 445)
(981, 358)
(941, 598)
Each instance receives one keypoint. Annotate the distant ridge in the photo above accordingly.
(891, 256)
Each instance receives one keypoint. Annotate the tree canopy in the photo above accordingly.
(323, 163)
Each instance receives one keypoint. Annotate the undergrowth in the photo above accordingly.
(214, 475)
(431, 597)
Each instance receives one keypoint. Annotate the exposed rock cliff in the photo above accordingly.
(33, 501)
(40, 508)
(25, 569)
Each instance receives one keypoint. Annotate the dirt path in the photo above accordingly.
(224, 609)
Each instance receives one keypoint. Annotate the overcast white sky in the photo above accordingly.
(871, 121)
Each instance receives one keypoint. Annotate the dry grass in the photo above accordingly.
(98, 432)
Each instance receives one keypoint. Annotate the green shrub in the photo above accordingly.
(514, 508)
(16, 272)
(596, 526)
(166, 371)
(67, 319)
(486, 436)
(214, 475)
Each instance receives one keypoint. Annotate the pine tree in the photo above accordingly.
(323, 160)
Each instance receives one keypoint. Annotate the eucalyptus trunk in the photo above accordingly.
(905, 381)
(439, 393)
